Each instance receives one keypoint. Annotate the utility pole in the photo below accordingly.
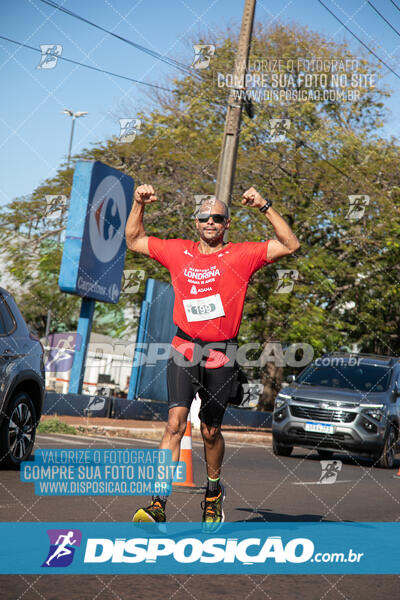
(227, 161)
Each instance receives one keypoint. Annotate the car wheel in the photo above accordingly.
(325, 454)
(386, 459)
(280, 449)
(17, 431)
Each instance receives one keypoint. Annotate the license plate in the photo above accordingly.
(320, 428)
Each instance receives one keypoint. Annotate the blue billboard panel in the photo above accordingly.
(94, 249)
(149, 378)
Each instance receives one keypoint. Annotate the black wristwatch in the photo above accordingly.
(267, 205)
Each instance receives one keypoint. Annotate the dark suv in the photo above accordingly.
(22, 384)
(341, 402)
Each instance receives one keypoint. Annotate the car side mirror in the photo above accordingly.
(291, 378)
(395, 393)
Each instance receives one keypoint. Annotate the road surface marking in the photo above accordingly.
(318, 483)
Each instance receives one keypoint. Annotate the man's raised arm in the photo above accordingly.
(136, 238)
(287, 242)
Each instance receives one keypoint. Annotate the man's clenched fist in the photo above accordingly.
(145, 194)
(253, 198)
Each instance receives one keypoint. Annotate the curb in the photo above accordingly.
(155, 433)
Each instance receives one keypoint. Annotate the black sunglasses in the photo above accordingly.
(217, 218)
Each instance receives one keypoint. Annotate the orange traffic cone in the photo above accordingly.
(397, 476)
(186, 456)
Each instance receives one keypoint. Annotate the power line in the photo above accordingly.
(70, 60)
(153, 53)
(75, 62)
(359, 40)
(394, 4)
(383, 17)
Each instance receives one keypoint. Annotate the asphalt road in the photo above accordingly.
(259, 486)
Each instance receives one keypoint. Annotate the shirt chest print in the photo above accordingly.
(197, 275)
(198, 279)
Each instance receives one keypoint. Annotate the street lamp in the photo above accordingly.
(74, 116)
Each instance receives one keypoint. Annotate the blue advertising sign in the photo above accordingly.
(94, 248)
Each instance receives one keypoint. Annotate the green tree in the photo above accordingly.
(346, 293)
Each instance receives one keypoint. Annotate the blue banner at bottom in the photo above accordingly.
(240, 548)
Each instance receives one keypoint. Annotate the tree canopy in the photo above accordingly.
(346, 293)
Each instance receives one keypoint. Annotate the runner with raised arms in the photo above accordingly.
(210, 280)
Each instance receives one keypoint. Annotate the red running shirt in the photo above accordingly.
(210, 289)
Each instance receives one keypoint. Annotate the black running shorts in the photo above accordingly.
(214, 385)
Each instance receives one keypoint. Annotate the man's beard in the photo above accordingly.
(212, 241)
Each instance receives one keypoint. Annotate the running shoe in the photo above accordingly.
(213, 515)
(154, 513)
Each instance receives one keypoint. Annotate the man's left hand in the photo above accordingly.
(253, 198)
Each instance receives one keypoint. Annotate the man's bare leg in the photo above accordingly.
(174, 430)
(214, 449)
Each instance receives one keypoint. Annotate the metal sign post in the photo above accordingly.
(84, 329)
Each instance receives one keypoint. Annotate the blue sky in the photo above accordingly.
(34, 132)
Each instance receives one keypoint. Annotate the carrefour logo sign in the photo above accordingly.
(107, 219)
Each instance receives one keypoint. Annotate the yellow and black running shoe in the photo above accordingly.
(154, 513)
(213, 515)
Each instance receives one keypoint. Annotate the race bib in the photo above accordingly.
(204, 309)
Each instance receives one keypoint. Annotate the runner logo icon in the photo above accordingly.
(330, 471)
(50, 55)
(202, 55)
(286, 280)
(63, 543)
(357, 206)
(128, 129)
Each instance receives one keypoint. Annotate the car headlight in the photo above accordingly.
(281, 414)
(375, 412)
(281, 399)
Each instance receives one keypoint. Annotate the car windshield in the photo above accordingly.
(363, 378)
